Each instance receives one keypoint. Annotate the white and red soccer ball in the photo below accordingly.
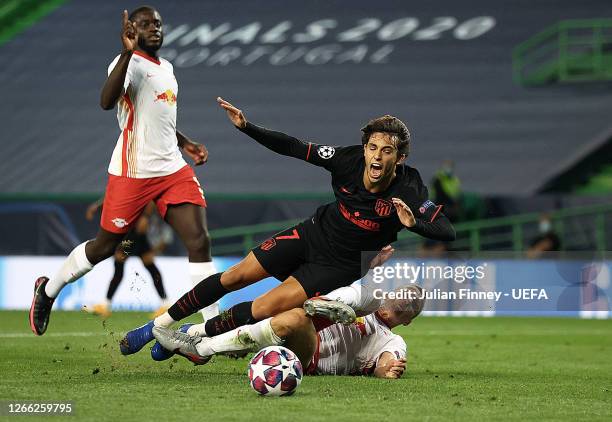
(275, 371)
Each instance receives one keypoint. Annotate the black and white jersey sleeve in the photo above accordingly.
(326, 156)
(430, 220)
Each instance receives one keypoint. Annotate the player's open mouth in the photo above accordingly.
(376, 170)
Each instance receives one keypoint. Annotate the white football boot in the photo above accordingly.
(180, 343)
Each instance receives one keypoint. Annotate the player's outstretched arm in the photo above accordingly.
(389, 367)
(276, 141)
(113, 87)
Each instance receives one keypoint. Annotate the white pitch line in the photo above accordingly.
(72, 334)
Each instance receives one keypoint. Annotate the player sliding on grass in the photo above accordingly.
(365, 347)
(146, 164)
(375, 198)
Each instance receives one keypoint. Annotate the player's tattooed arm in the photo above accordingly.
(197, 152)
(389, 367)
(113, 87)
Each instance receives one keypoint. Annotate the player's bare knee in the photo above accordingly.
(198, 242)
(284, 324)
(232, 279)
(205, 239)
(303, 337)
(239, 275)
(291, 323)
(262, 309)
(302, 321)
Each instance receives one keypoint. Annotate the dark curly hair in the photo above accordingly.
(391, 125)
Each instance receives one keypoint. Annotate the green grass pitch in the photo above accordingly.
(459, 369)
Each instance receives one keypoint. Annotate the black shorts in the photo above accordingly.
(292, 253)
(135, 244)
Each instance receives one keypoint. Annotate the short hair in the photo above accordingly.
(140, 9)
(412, 307)
(391, 125)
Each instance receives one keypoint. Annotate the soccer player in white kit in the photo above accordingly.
(146, 165)
(367, 346)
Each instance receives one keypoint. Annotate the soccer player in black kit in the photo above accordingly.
(376, 197)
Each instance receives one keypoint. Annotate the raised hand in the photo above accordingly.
(129, 36)
(382, 257)
(404, 212)
(235, 115)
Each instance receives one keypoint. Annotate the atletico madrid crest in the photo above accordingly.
(383, 207)
(268, 244)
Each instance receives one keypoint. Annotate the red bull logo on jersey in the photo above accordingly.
(168, 97)
(360, 324)
(119, 222)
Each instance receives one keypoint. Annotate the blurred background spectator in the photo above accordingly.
(446, 190)
(546, 240)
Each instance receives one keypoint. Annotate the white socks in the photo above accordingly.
(73, 268)
(263, 334)
(198, 271)
(349, 295)
(245, 338)
(164, 320)
(359, 297)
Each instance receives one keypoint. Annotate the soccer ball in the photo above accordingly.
(275, 371)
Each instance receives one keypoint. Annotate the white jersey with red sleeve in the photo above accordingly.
(355, 349)
(147, 146)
